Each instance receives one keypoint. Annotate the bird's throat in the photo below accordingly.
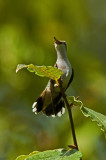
(62, 55)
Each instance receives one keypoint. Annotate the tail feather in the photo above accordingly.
(38, 105)
(57, 107)
(54, 110)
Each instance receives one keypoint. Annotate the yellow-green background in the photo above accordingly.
(27, 28)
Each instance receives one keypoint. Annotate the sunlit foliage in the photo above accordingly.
(27, 29)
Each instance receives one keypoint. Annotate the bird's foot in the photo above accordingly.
(55, 85)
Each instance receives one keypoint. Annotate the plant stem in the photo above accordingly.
(70, 115)
(71, 121)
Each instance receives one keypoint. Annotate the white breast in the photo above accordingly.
(65, 66)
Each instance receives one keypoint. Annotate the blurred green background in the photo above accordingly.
(27, 29)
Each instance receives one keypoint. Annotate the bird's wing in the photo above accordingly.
(71, 78)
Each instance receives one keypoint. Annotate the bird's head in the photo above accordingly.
(60, 46)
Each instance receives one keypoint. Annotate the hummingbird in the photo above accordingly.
(51, 102)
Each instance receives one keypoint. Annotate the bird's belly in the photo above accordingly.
(65, 77)
(66, 68)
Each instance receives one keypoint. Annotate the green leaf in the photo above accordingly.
(22, 157)
(95, 116)
(74, 101)
(43, 71)
(57, 154)
(20, 66)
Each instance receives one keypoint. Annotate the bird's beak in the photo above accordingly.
(57, 41)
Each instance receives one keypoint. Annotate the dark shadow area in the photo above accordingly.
(65, 152)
